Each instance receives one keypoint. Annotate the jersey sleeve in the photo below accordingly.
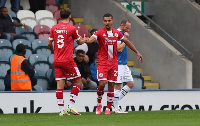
(75, 34)
(51, 36)
(96, 34)
(120, 36)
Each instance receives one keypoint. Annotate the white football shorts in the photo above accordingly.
(124, 74)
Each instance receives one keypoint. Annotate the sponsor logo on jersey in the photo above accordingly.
(100, 74)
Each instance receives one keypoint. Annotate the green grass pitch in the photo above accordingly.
(138, 118)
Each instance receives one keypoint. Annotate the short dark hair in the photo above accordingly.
(20, 48)
(124, 21)
(2, 8)
(80, 51)
(108, 15)
(65, 13)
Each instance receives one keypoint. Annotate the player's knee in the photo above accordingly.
(130, 84)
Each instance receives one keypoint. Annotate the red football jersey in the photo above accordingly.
(64, 36)
(107, 40)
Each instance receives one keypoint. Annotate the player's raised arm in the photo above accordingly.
(132, 47)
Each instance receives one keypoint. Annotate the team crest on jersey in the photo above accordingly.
(116, 35)
(104, 34)
(100, 74)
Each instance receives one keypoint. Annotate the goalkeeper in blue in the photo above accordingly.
(124, 73)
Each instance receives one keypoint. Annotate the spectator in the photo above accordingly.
(93, 69)
(85, 71)
(21, 75)
(90, 49)
(7, 25)
(36, 5)
(14, 4)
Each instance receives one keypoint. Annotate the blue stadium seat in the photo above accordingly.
(29, 52)
(38, 88)
(11, 13)
(20, 29)
(43, 83)
(138, 79)
(18, 41)
(37, 57)
(5, 53)
(4, 66)
(40, 73)
(43, 50)
(50, 75)
(2, 75)
(51, 58)
(30, 35)
(42, 65)
(38, 42)
(4, 42)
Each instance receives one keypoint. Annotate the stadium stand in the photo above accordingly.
(41, 29)
(20, 29)
(25, 14)
(32, 22)
(38, 88)
(11, 13)
(4, 66)
(37, 43)
(82, 29)
(43, 83)
(51, 58)
(2, 75)
(37, 57)
(5, 53)
(43, 36)
(30, 35)
(29, 52)
(52, 8)
(5, 42)
(49, 21)
(42, 14)
(17, 41)
(43, 50)
(40, 73)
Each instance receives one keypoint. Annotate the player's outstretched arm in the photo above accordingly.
(81, 40)
(120, 46)
(91, 39)
(50, 44)
(132, 47)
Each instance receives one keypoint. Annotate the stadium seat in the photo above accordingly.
(138, 79)
(44, 36)
(40, 73)
(4, 66)
(2, 75)
(5, 53)
(49, 21)
(41, 29)
(43, 83)
(82, 29)
(51, 58)
(5, 42)
(30, 35)
(38, 88)
(42, 65)
(52, 8)
(42, 14)
(32, 22)
(43, 50)
(20, 29)
(37, 57)
(38, 42)
(49, 75)
(29, 52)
(25, 14)
(11, 13)
(18, 41)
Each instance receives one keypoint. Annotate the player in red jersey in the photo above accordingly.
(63, 35)
(107, 59)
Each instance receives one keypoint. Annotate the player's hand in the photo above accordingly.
(126, 35)
(140, 57)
